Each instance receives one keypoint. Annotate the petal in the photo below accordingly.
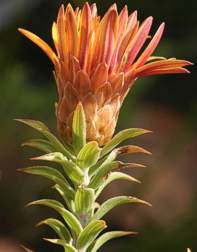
(172, 70)
(131, 31)
(63, 48)
(138, 41)
(85, 29)
(41, 43)
(72, 34)
(151, 47)
(162, 64)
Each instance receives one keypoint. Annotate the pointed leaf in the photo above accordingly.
(40, 144)
(79, 128)
(84, 200)
(108, 236)
(69, 218)
(26, 249)
(132, 149)
(115, 176)
(42, 128)
(89, 234)
(122, 136)
(67, 247)
(71, 169)
(103, 162)
(116, 201)
(51, 174)
(58, 227)
(63, 193)
(88, 155)
(98, 179)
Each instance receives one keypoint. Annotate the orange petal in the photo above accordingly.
(172, 70)
(41, 43)
(151, 47)
(163, 64)
(85, 34)
(63, 48)
(132, 27)
(55, 37)
(138, 41)
(72, 34)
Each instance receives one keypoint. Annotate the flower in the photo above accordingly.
(97, 61)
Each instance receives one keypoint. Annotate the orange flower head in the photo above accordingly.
(96, 62)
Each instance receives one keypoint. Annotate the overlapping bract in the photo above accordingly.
(97, 61)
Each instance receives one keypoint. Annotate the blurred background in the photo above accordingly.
(165, 104)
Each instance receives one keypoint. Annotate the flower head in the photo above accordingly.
(97, 60)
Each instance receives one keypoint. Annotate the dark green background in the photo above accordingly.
(165, 104)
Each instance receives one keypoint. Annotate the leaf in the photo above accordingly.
(132, 149)
(63, 193)
(69, 218)
(51, 174)
(40, 144)
(116, 201)
(58, 227)
(104, 161)
(108, 236)
(71, 169)
(98, 179)
(67, 247)
(89, 234)
(25, 249)
(122, 136)
(115, 176)
(84, 200)
(42, 128)
(88, 155)
(79, 128)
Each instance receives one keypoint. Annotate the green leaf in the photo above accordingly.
(69, 218)
(40, 144)
(58, 227)
(42, 128)
(84, 200)
(63, 193)
(88, 155)
(71, 169)
(115, 176)
(98, 179)
(89, 234)
(108, 236)
(120, 137)
(103, 162)
(79, 128)
(67, 247)
(116, 201)
(51, 174)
